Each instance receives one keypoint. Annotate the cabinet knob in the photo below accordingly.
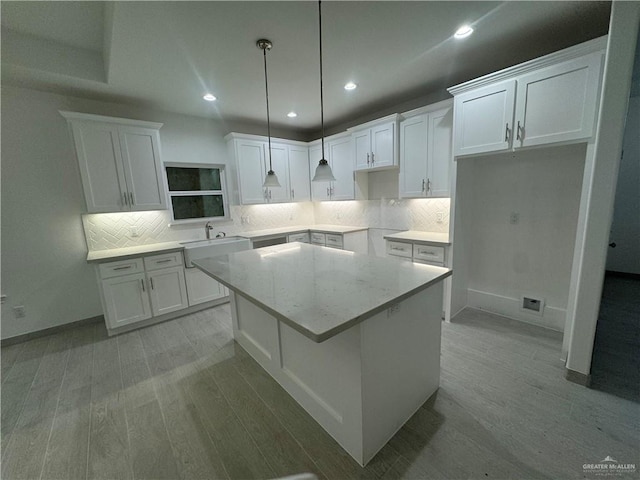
(613, 245)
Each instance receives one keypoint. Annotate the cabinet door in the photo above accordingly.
(413, 156)
(362, 146)
(319, 190)
(201, 287)
(280, 163)
(143, 168)
(100, 160)
(484, 119)
(250, 164)
(341, 160)
(439, 158)
(383, 145)
(558, 103)
(126, 299)
(299, 174)
(168, 290)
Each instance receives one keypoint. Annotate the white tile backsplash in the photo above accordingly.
(115, 230)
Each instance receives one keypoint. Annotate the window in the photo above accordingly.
(197, 191)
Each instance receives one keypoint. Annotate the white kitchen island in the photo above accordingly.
(352, 338)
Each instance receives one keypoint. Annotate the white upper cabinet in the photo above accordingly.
(426, 154)
(252, 163)
(553, 99)
(484, 119)
(339, 154)
(299, 174)
(119, 161)
(558, 103)
(376, 144)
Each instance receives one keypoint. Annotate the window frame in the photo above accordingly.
(221, 167)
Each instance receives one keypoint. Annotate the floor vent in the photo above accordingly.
(532, 305)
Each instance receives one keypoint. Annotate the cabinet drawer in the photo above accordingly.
(334, 240)
(428, 253)
(318, 238)
(298, 237)
(399, 249)
(164, 260)
(121, 267)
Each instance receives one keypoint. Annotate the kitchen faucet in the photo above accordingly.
(207, 230)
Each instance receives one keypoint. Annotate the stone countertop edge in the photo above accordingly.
(321, 337)
(416, 236)
(322, 228)
(124, 253)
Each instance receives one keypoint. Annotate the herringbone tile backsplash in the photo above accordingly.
(115, 230)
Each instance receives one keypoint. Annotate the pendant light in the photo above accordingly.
(271, 180)
(323, 170)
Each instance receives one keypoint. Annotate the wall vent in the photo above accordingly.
(532, 305)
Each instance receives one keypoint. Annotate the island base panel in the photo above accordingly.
(362, 384)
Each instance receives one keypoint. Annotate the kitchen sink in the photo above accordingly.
(210, 248)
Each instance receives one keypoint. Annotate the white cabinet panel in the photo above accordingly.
(413, 156)
(341, 159)
(201, 287)
(250, 164)
(168, 290)
(125, 300)
(558, 103)
(440, 157)
(280, 163)
(383, 145)
(362, 144)
(143, 172)
(299, 174)
(100, 160)
(484, 119)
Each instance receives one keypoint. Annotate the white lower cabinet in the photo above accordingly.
(168, 290)
(125, 300)
(137, 289)
(202, 288)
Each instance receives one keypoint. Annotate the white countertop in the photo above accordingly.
(301, 228)
(127, 252)
(319, 291)
(420, 236)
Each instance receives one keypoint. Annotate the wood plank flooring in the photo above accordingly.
(181, 400)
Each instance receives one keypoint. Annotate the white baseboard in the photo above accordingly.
(552, 317)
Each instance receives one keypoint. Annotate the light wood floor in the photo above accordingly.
(181, 401)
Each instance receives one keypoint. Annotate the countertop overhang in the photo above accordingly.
(319, 291)
(431, 238)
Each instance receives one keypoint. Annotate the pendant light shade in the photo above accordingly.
(271, 180)
(323, 171)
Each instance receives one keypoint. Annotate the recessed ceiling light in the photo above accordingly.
(209, 98)
(292, 114)
(463, 32)
(350, 86)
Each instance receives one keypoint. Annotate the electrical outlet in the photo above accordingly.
(514, 218)
(18, 311)
(133, 231)
(440, 217)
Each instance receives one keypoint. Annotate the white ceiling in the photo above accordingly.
(166, 55)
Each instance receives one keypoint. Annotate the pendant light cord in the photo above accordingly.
(321, 96)
(266, 88)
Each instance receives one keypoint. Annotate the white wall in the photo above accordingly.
(43, 244)
(532, 257)
(625, 228)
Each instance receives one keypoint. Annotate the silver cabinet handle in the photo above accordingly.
(423, 252)
(142, 282)
(151, 281)
(328, 194)
(399, 249)
(293, 193)
(131, 197)
(520, 132)
(506, 133)
(122, 268)
(166, 260)
(266, 193)
(423, 185)
(367, 158)
(126, 200)
(428, 184)
(331, 191)
(269, 194)
(373, 158)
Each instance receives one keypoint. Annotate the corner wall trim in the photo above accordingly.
(577, 377)
(5, 342)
